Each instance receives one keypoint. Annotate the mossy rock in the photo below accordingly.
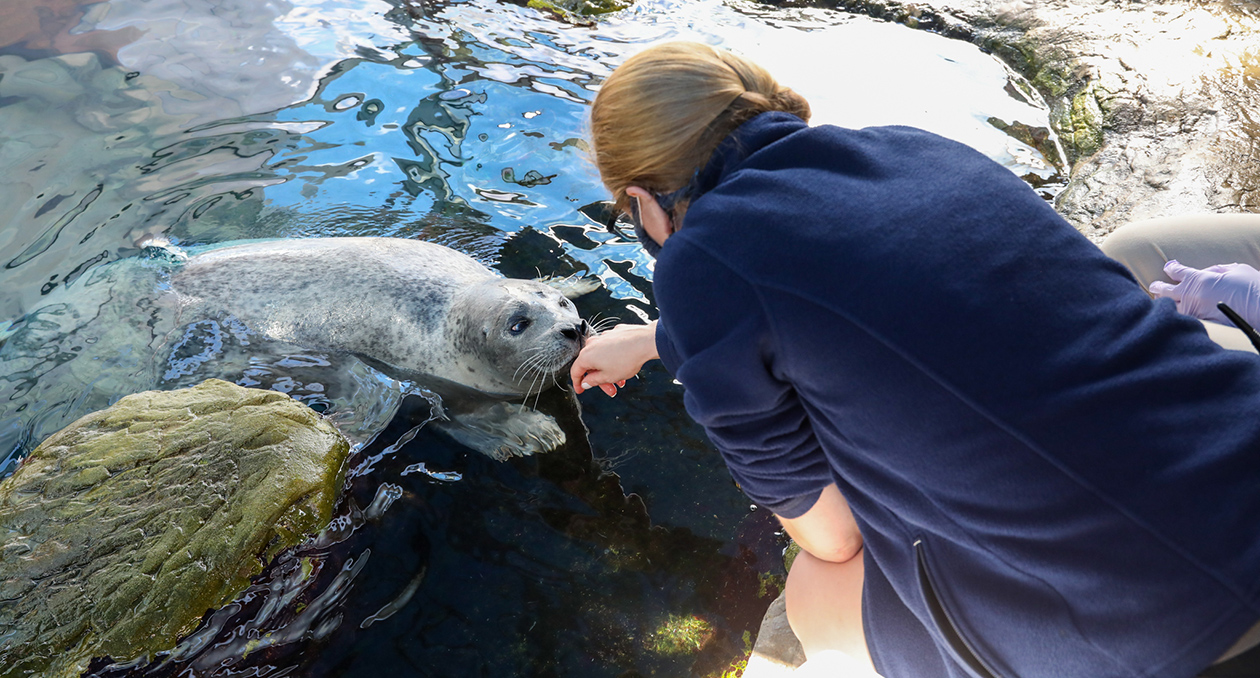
(1038, 138)
(579, 12)
(120, 531)
(790, 553)
(1087, 116)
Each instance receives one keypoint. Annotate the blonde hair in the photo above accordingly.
(661, 114)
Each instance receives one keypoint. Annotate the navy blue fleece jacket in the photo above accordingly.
(1053, 475)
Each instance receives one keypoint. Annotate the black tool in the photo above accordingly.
(1241, 324)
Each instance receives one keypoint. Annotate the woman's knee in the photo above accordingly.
(1197, 240)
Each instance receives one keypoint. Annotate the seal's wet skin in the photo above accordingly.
(313, 318)
(419, 311)
(414, 306)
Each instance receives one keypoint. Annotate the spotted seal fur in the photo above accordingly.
(418, 309)
(415, 306)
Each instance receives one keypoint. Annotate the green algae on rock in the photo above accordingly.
(680, 635)
(576, 12)
(120, 531)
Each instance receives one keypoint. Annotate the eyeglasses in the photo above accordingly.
(667, 201)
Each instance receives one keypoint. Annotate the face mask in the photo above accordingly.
(615, 222)
(667, 201)
(649, 245)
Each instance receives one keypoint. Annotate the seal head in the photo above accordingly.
(513, 336)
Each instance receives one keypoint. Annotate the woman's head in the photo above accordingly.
(658, 117)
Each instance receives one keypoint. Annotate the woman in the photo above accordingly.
(1000, 456)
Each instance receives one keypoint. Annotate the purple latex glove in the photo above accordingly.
(1198, 291)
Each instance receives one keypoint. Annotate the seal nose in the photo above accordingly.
(571, 332)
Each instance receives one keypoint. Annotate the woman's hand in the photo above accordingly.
(612, 357)
(1198, 291)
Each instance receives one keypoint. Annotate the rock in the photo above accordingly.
(777, 651)
(576, 12)
(120, 531)
(1154, 101)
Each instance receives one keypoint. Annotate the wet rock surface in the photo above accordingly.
(777, 651)
(123, 529)
(1155, 102)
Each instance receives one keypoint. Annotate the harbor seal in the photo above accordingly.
(276, 313)
(416, 311)
(415, 307)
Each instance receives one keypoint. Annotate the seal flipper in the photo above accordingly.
(485, 422)
(502, 430)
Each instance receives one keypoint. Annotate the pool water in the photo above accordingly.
(460, 123)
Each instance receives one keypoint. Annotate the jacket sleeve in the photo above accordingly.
(716, 338)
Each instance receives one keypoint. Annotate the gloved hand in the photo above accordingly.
(1198, 291)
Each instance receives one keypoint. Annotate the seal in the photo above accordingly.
(445, 327)
(415, 307)
(417, 311)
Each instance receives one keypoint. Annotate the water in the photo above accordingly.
(460, 123)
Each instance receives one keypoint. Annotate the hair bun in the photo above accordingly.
(788, 101)
(784, 100)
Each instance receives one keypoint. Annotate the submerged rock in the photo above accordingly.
(120, 531)
(680, 635)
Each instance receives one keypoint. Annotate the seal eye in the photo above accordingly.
(519, 326)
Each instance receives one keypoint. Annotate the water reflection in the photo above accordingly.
(445, 126)
(43, 28)
(463, 124)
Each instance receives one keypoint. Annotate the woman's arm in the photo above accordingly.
(612, 357)
(827, 530)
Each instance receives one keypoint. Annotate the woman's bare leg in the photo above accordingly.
(824, 607)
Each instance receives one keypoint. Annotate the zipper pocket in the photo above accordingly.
(963, 650)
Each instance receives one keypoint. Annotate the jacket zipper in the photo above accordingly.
(962, 649)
